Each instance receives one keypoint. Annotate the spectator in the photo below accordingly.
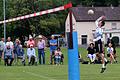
(41, 47)
(30, 42)
(8, 55)
(53, 46)
(31, 54)
(91, 53)
(114, 48)
(16, 49)
(9, 42)
(21, 54)
(110, 53)
(2, 46)
(58, 54)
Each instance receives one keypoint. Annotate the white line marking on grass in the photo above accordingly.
(40, 76)
(99, 77)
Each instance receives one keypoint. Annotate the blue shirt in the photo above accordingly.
(21, 52)
(53, 41)
(16, 48)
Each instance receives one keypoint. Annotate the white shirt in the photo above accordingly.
(2, 45)
(58, 53)
(10, 43)
(110, 50)
(99, 31)
(31, 52)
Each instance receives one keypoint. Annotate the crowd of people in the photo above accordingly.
(96, 57)
(10, 52)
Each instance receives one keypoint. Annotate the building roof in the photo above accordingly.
(111, 13)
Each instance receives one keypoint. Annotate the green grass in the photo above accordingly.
(42, 72)
(53, 72)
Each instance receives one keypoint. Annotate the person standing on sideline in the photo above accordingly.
(2, 47)
(9, 42)
(53, 47)
(41, 47)
(30, 42)
(16, 49)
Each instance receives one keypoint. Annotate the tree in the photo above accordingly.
(45, 24)
(112, 2)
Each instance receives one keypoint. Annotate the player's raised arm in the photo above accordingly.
(97, 22)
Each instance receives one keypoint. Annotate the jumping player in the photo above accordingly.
(98, 42)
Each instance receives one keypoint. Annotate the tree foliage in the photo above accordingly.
(46, 24)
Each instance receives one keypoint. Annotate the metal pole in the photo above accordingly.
(4, 21)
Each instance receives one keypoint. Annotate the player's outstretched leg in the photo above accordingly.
(104, 63)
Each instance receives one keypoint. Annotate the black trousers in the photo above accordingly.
(98, 46)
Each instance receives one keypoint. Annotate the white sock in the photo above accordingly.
(105, 59)
(103, 66)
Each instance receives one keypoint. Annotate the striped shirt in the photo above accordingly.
(41, 44)
(98, 34)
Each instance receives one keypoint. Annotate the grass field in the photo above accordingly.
(53, 72)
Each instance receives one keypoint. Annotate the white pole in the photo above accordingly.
(4, 20)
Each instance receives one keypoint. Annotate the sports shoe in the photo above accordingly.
(102, 70)
(106, 63)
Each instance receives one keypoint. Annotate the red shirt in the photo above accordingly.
(30, 42)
